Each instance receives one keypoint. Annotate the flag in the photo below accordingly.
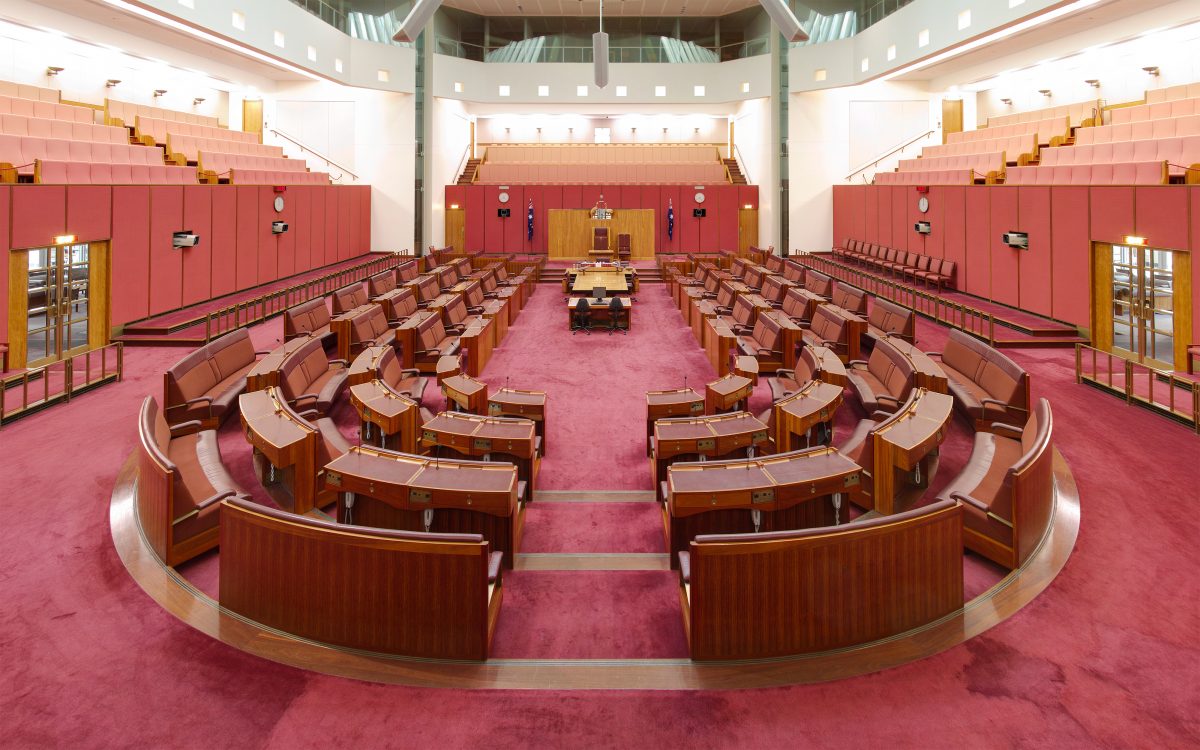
(529, 222)
(670, 220)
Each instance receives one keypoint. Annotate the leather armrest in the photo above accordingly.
(309, 413)
(304, 397)
(934, 354)
(1001, 404)
(805, 324)
(411, 371)
(880, 415)
(191, 402)
(204, 504)
(855, 362)
(1007, 429)
(341, 362)
(475, 310)
(185, 426)
(781, 373)
(980, 506)
(885, 397)
(259, 354)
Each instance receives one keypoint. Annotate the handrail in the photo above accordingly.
(462, 163)
(885, 155)
(68, 370)
(305, 147)
(741, 160)
(1123, 382)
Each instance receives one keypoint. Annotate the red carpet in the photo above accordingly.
(593, 527)
(1106, 657)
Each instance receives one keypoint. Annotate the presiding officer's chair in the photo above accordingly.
(617, 311)
(581, 318)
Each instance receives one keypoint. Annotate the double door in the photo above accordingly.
(54, 314)
(1141, 311)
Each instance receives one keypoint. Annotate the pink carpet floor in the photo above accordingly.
(1106, 657)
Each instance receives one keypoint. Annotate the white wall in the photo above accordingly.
(451, 135)
(755, 152)
(631, 128)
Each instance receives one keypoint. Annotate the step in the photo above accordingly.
(156, 340)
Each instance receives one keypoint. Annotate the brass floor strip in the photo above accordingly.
(592, 561)
(593, 496)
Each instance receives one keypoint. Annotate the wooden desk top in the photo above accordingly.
(678, 401)
(709, 436)
(473, 435)
(597, 304)
(270, 362)
(416, 319)
(729, 385)
(772, 483)
(465, 390)
(270, 423)
(923, 418)
(514, 402)
(815, 402)
(416, 483)
(365, 366)
(374, 395)
(611, 279)
(929, 373)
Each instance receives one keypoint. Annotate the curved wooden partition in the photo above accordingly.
(392, 592)
(753, 596)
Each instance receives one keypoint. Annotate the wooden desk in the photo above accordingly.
(830, 367)
(476, 342)
(448, 366)
(726, 393)
(796, 415)
(511, 402)
(599, 308)
(928, 373)
(265, 372)
(466, 393)
(905, 442)
(501, 438)
(365, 366)
(285, 440)
(343, 326)
(406, 334)
(711, 437)
(611, 278)
(747, 367)
(790, 336)
(681, 402)
(395, 416)
(720, 344)
(393, 490)
(764, 494)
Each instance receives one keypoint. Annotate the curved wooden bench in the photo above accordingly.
(1007, 488)
(884, 381)
(833, 327)
(987, 385)
(381, 363)
(410, 593)
(362, 328)
(310, 380)
(203, 386)
(814, 363)
(752, 596)
(181, 482)
(309, 319)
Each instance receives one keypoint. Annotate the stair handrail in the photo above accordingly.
(741, 160)
(462, 163)
(889, 152)
(304, 147)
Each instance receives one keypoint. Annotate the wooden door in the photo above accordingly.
(1141, 305)
(952, 117)
(252, 117)
(747, 228)
(456, 229)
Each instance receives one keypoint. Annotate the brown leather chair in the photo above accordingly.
(204, 386)
(987, 385)
(884, 381)
(311, 382)
(309, 319)
(889, 319)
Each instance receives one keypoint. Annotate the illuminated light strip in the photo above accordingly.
(985, 40)
(171, 23)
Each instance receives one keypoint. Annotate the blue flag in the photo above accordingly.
(529, 222)
(670, 220)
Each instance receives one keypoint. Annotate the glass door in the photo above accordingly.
(1143, 314)
(57, 303)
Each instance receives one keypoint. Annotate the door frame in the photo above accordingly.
(1181, 302)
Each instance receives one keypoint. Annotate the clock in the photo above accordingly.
(699, 197)
(923, 203)
(503, 197)
(279, 204)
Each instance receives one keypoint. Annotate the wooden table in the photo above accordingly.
(765, 494)
(747, 367)
(796, 415)
(476, 342)
(265, 372)
(394, 416)
(611, 278)
(512, 402)
(600, 308)
(365, 366)
(720, 344)
(711, 437)
(398, 491)
(285, 440)
(466, 393)
(905, 442)
(727, 393)
(488, 438)
(448, 366)
(681, 402)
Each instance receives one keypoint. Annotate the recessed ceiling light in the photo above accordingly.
(312, 53)
(383, 75)
(865, 65)
(820, 74)
(745, 87)
(891, 52)
(458, 87)
(923, 38)
(964, 19)
(279, 39)
(337, 64)
(239, 20)
(697, 91)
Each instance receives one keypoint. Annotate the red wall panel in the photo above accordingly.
(748, 195)
(687, 226)
(871, 217)
(934, 243)
(89, 212)
(356, 244)
(572, 197)
(493, 225)
(197, 261)
(902, 231)
(316, 238)
(300, 200)
(166, 263)
(331, 227)
(1159, 216)
(364, 218)
(727, 217)
(552, 200)
(1112, 213)
(1005, 261)
(1036, 268)
(954, 214)
(589, 195)
(345, 210)
(268, 244)
(1194, 205)
(978, 270)
(514, 226)
(223, 246)
(286, 242)
(668, 197)
(247, 236)
(917, 242)
(1071, 255)
(5, 234)
(41, 214)
(883, 224)
(130, 253)
(474, 234)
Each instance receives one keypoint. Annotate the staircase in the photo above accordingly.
(468, 175)
(735, 171)
(555, 276)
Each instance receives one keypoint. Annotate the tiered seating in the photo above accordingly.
(152, 130)
(201, 388)
(25, 91)
(240, 176)
(937, 272)
(1124, 173)
(38, 127)
(884, 381)
(931, 177)
(889, 319)
(125, 114)
(187, 148)
(85, 173)
(1049, 130)
(1078, 114)
(309, 319)
(982, 164)
(311, 381)
(1143, 130)
(1161, 110)
(1178, 153)
(1014, 147)
(24, 152)
(13, 105)
(1174, 93)
(602, 164)
(988, 386)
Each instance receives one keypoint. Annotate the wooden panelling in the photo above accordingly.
(456, 228)
(198, 260)
(89, 212)
(223, 240)
(571, 231)
(131, 253)
(1036, 279)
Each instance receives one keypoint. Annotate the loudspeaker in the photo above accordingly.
(699, 213)
(504, 213)
(600, 58)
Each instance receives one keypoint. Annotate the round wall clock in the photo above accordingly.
(923, 203)
(699, 197)
(278, 204)
(503, 197)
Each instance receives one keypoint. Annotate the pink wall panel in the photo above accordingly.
(287, 241)
(1159, 216)
(493, 226)
(269, 245)
(748, 195)
(572, 197)
(727, 218)
(1194, 205)
(166, 263)
(223, 245)
(687, 226)
(978, 281)
(300, 200)
(870, 210)
(590, 194)
(356, 234)
(316, 238)
(1071, 255)
(5, 233)
(475, 235)
(514, 225)
(883, 223)
(1036, 268)
(364, 217)
(917, 243)
(532, 193)
(42, 214)
(247, 236)
(345, 210)
(1112, 213)
(130, 253)
(552, 200)
(331, 227)
(89, 212)
(1005, 261)
(954, 215)
(934, 243)
(197, 261)
(902, 231)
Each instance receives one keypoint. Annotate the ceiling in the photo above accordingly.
(591, 8)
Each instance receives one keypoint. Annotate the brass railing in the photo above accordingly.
(980, 324)
(1116, 374)
(40, 387)
(252, 311)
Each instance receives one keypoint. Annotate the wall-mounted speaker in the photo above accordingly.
(504, 213)
(699, 213)
(922, 227)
